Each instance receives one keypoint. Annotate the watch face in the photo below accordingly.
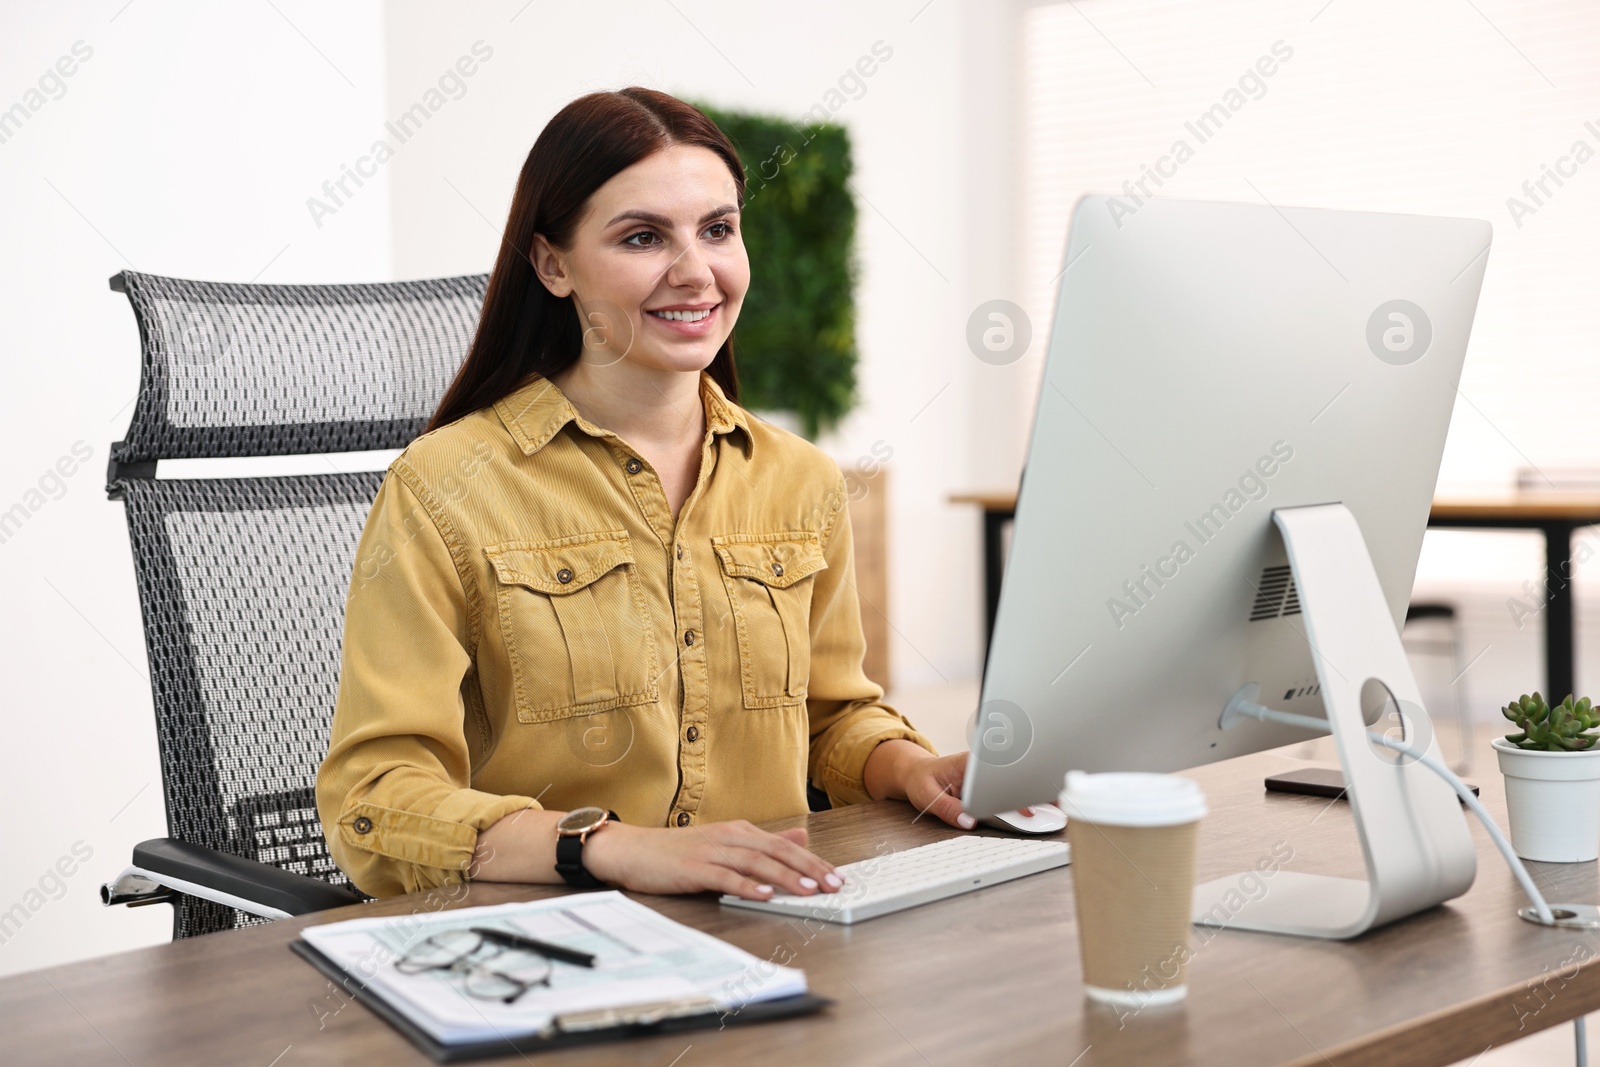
(580, 820)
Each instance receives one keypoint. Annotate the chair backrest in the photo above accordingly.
(242, 581)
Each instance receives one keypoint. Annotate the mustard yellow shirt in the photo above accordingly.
(528, 627)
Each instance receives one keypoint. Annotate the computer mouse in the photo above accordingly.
(1046, 819)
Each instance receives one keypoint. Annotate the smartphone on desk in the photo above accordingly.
(1317, 782)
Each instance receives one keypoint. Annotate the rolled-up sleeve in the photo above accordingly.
(846, 709)
(394, 792)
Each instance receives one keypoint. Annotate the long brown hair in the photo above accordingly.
(524, 329)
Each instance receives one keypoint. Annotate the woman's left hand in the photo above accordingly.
(933, 784)
(940, 774)
(904, 770)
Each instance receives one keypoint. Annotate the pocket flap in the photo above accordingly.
(562, 566)
(776, 560)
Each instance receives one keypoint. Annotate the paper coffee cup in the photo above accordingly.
(1133, 842)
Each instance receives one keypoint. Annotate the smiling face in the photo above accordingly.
(657, 268)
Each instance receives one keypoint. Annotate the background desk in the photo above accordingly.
(988, 977)
(1556, 515)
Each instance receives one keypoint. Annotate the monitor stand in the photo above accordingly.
(1413, 835)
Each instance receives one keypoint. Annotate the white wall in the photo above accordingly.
(185, 144)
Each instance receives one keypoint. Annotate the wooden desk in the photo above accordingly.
(991, 977)
(1555, 514)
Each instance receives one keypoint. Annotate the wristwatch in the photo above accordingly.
(571, 832)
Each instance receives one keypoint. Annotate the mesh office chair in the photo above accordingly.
(242, 580)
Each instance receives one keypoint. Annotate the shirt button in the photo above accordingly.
(688, 637)
(777, 569)
(692, 733)
(680, 551)
(683, 818)
(563, 576)
(634, 466)
(362, 825)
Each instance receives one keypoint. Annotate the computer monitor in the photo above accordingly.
(1218, 372)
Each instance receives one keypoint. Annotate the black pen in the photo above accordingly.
(544, 948)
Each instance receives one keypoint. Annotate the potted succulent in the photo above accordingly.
(1552, 771)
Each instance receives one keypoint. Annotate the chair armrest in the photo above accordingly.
(258, 888)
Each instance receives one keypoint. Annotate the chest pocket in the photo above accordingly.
(576, 625)
(768, 589)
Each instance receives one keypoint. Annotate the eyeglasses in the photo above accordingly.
(504, 974)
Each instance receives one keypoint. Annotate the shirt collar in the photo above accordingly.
(537, 410)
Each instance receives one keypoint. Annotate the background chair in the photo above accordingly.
(1416, 640)
(242, 581)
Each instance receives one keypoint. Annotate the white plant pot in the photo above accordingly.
(1553, 799)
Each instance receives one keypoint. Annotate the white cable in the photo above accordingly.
(1257, 711)
(1512, 859)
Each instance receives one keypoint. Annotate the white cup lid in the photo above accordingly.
(1132, 799)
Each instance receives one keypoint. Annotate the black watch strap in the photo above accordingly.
(569, 861)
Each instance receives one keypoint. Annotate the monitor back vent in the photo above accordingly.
(1276, 595)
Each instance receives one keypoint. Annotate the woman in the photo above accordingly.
(602, 618)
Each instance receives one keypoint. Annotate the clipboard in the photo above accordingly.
(636, 1022)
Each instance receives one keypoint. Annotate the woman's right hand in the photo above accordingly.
(725, 857)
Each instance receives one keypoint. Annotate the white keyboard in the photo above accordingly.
(899, 880)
